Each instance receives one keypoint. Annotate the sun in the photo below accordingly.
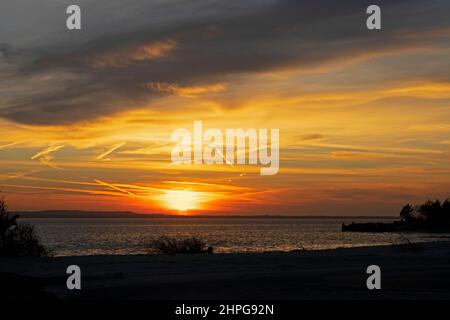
(182, 200)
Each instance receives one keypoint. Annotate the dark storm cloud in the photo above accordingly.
(95, 74)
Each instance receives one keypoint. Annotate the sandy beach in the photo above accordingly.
(419, 271)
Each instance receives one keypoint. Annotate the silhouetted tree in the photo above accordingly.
(446, 211)
(7, 221)
(432, 213)
(407, 213)
(17, 239)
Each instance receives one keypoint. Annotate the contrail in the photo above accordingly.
(17, 175)
(111, 150)
(9, 145)
(113, 187)
(46, 151)
(226, 160)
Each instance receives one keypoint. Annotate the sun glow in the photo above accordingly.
(182, 200)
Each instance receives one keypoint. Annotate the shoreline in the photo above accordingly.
(410, 271)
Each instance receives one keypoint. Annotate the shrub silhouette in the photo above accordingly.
(173, 245)
(17, 239)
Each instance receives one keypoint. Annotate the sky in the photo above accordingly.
(86, 116)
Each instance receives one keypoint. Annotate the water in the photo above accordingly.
(132, 236)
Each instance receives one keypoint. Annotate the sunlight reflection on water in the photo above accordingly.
(132, 236)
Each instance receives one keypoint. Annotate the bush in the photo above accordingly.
(173, 245)
(431, 213)
(18, 239)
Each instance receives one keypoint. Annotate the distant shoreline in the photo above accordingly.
(69, 214)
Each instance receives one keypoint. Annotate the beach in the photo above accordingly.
(409, 271)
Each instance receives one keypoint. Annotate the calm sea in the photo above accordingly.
(132, 236)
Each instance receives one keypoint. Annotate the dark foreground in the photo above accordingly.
(419, 271)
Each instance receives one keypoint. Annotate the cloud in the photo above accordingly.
(6, 50)
(312, 136)
(122, 58)
(354, 155)
(187, 92)
(106, 67)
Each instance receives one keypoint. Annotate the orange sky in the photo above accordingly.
(361, 133)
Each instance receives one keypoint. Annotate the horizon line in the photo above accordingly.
(133, 214)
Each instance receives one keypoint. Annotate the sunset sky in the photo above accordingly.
(86, 116)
